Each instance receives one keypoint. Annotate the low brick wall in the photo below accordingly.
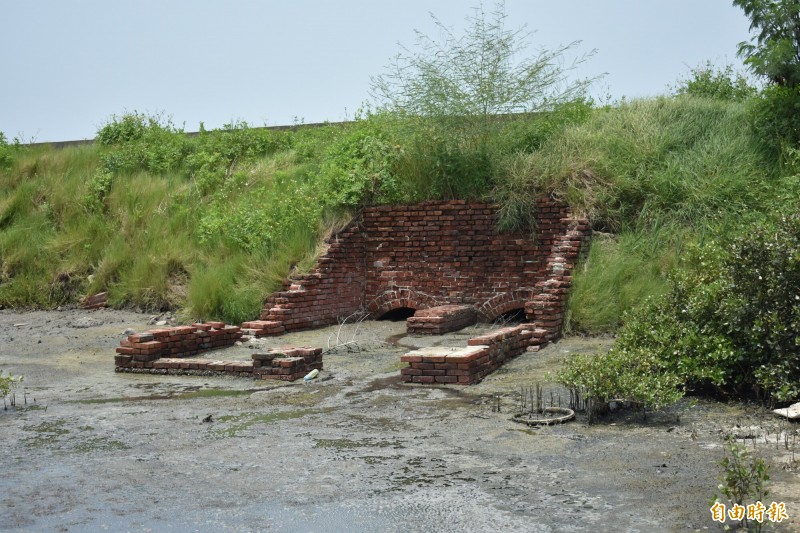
(169, 351)
(441, 319)
(141, 349)
(468, 365)
(96, 301)
(286, 364)
(332, 291)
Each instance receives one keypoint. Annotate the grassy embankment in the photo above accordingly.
(212, 224)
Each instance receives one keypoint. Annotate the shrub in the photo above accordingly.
(358, 168)
(457, 95)
(731, 319)
(215, 155)
(775, 118)
(137, 141)
(621, 375)
(477, 76)
(743, 478)
(256, 220)
(126, 128)
(8, 383)
(99, 187)
(6, 157)
(722, 83)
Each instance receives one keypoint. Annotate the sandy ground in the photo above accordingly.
(88, 449)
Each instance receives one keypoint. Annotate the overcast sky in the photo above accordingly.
(66, 67)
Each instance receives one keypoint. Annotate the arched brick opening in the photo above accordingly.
(512, 317)
(397, 314)
(399, 298)
(504, 303)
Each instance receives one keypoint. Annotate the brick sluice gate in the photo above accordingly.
(444, 259)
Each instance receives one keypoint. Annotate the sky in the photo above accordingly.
(67, 67)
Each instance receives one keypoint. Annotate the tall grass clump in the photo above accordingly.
(149, 215)
(616, 275)
(684, 159)
(658, 173)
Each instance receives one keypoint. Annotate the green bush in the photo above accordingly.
(709, 81)
(8, 383)
(621, 375)
(743, 478)
(214, 155)
(137, 141)
(258, 220)
(6, 157)
(126, 128)
(357, 168)
(731, 319)
(99, 187)
(775, 117)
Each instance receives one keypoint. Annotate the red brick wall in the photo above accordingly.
(334, 289)
(484, 355)
(436, 253)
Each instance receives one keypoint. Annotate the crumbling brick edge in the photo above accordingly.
(167, 351)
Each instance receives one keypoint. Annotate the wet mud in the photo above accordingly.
(88, 449)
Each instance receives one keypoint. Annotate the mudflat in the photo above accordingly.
(88, 449)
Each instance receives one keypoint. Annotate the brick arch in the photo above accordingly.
(397, 298)
(503, 303)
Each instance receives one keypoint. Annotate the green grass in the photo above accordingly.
(211, 225)
(155, 240)
(617, 274)
(659, 174)
(687, 160)
(236, 425)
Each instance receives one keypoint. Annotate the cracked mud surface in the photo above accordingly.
(357, 450)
